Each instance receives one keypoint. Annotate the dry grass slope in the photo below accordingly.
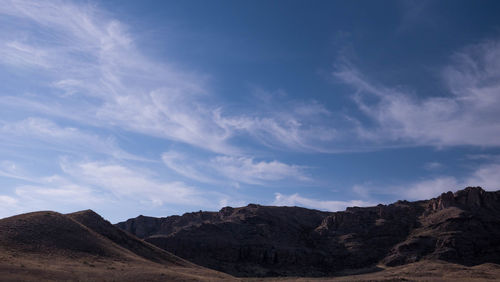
(419, 271)
(48, 246)
(82, 246)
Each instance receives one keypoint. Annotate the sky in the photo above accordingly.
(166, 107)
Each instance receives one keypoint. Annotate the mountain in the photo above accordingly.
(83, 246)
(461, 227)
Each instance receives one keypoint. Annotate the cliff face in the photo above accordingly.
(251, 240)
(461, 227)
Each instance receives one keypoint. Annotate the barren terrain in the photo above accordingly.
(454, 237)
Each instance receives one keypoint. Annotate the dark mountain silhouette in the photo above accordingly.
(83, 246)
(461, 227)
(454, 237)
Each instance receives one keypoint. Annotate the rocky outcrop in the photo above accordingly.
(462, 227)
(367, 234)
(248, 241)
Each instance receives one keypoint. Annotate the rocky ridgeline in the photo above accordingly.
(461, 227)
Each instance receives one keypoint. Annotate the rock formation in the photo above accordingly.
(461, 227)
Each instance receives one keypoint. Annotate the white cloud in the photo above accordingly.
(100, 77)
(236, 169)
(12, 170)
(297, 200)
(427, 189)
(88, 70)
(20, 54)
(99, 185)
(46, 193)
(189, 167)
(487, 176)
(105, 79)
(52, 193)
(467, 116)
(248, 170)
(38, 132)
(301, 126)
(137, 184)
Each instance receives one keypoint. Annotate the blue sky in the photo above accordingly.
(165, 107)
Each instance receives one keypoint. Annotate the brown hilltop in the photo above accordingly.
(54, 233)
(96, 223)
(461, 227)
(83, 246)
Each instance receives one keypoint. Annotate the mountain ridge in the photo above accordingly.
(458, 227)
(82, 246)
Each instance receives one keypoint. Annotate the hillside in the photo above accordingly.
(461, 227)
(83, 246)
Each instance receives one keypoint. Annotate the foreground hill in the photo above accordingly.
(461, 227)
(83, 246)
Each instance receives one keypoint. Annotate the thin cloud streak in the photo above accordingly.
(97, 61)
(93, 59)
(37, 132)
(486, 176)
(468, 115)
(129, 183)
(86, 184)
(223, 169)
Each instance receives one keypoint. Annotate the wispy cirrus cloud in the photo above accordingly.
(233, 169)
(285, 125)
(249, 171)
(90, 77)
(485, 175)
(57, 190)
(10, 169)
(32, 192)
(97, 75)
(124, 182)
(426, 189)
(467, 115)
(80, 84)
(97, 184)
(43, 133)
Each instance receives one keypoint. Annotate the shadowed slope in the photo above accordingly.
(95, 222)
(54, 233)
(244, 241)
(461, 227)
(83, 246)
